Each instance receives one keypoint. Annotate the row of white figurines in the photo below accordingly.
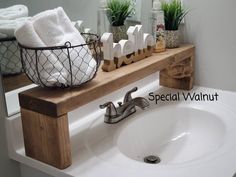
(138, 46)
(137, 40)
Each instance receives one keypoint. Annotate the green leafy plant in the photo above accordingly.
(174, 14)
(118, 11)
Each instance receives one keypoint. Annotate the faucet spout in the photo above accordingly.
(141, 102)
(128, 108)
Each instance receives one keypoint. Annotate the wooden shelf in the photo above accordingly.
(44, 111)
(12, 82)
(57, 102)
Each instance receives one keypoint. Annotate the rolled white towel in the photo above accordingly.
(8, 27)
(13, 12)
(66, 23)
(48, 28)
(27, 36)
(85, 60)
(51, 70)
(55, 28)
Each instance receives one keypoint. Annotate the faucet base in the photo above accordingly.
(119, 118)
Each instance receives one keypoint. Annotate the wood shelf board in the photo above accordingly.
(57, 102)
(12, 82)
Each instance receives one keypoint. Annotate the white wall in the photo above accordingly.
(85, 10)
(211, 26)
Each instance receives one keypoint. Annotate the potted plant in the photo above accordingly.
(174, 14)
(117, 12)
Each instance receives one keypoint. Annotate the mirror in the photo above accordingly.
(13, 78)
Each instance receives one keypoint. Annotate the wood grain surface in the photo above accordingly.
(57, 102)
(47, 139)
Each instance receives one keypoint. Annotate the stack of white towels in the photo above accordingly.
(10, 19)
(54, 28)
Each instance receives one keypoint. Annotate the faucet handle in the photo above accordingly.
(110, 109)
(133, 90)
(128, 97)
(105, 105)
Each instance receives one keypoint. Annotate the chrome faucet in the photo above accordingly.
(116, 114)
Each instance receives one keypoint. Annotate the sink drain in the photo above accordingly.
(152, 159)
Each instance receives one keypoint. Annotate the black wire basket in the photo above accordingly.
(63, 66)
(10, 59)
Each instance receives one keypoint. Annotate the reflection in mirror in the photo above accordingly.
(13, 78)
(11, 68)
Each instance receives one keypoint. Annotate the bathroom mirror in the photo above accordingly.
(12, 85)
(12, 76)
(13, 79)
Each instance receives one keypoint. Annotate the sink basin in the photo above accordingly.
(178, 134)
(190, 138)
(174, 134)
(187, 138)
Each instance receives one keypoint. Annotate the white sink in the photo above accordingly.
(176, 134)
(192, 139)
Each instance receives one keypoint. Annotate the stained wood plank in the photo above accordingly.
(57, 102)
(179, 75)
(12, 82)
(47, 139)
